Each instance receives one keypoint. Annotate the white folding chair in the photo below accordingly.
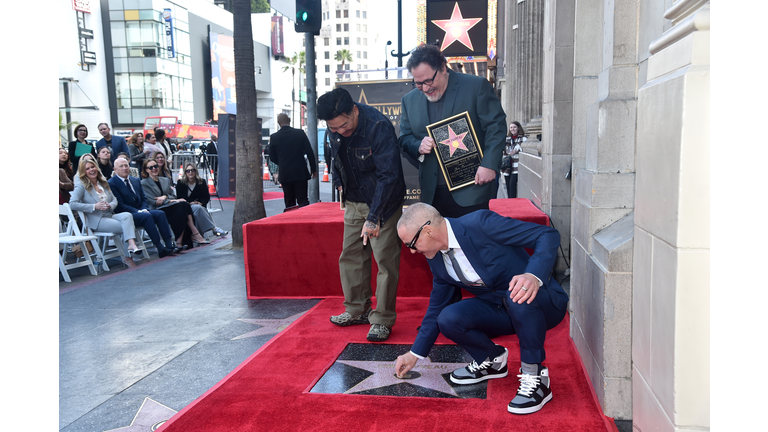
(70, 235)
(140, 243)
(117, 251)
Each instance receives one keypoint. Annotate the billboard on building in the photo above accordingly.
(169, 41)
(223, 74)
(277, 36)
(460, 27)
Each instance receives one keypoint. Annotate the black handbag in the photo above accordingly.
(506, 163)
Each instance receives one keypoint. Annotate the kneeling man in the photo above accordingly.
(484, 253)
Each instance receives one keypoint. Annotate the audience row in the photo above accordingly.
(116, 202)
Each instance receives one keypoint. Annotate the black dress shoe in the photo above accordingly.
(176, 249)
(165, 252)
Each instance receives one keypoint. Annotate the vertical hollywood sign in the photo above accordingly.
(171, 51)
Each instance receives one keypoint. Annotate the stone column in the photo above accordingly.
(605, 88)
(557, 109)
(670, 326)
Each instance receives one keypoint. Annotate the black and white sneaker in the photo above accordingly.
(532, 394)
(475, 373)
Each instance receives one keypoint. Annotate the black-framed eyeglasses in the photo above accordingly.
(190, 170)
(425, 82)
(153, 167)
(412, 244)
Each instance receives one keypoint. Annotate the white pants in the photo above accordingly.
(121, 225)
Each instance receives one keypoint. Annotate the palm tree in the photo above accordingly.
(344, 56)
(296, 61)
(65, 127)
(249, 205)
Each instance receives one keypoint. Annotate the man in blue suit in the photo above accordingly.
(116, 143)
(130, 198)
(515, 293)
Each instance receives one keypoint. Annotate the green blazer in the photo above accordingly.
(463, 93)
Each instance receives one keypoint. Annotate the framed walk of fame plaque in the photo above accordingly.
(458, 152)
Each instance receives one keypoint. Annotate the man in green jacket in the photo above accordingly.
(439, 94)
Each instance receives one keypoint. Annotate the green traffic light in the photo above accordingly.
(304, 16)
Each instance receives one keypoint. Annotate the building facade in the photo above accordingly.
(614, 96)
(150, 58)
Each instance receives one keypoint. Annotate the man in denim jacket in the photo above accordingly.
(368, 173)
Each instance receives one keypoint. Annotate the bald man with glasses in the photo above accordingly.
(484, 253)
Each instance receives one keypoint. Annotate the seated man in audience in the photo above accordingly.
(130, 198)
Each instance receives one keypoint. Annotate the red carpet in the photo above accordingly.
(296, 254)
(270, 390)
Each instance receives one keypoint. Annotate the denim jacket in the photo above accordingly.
(374, 156)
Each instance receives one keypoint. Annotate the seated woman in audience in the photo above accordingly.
(194, 190)
(160, 196)
(89, 157)
(104, 157)
(66, 183)
(163, 169)
(80, 146)
(138, 152)
(93, 197)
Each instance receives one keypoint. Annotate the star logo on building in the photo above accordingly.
(269, 326)
(455, 141)
(457, 28)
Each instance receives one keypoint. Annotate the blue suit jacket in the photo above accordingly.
(126, 200)
(118, 146)
(495, 246)
(463, 93)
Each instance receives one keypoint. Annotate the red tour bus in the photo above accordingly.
(174, 129)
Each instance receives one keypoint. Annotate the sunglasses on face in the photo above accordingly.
(190, 170)
(153, 167)
(412, 244)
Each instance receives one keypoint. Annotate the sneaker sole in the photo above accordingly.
(531, 409)
(375, 339)
(477, 380)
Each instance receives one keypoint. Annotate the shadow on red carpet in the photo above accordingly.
(270, 390)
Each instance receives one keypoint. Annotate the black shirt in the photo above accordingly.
(351, 191)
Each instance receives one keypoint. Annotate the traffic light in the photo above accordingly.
(309, 17)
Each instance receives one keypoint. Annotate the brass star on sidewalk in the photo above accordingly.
(425, 374)
(269, 326)
(151, 415)
(456, 28)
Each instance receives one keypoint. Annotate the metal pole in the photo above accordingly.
(314, 184)
(386, 60)
(399, 38)
(400, 53)
(68, 114)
